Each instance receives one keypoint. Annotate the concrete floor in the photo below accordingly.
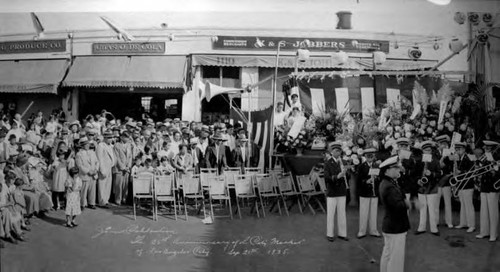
(110, 240)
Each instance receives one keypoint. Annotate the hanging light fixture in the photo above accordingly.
(440, 2)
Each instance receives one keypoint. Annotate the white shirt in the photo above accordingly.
(243, 151)
(279, 118)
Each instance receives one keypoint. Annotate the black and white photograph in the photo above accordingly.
(249, 135)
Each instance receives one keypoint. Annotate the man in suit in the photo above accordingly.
(336, 183)
(368, 195)
(123, 154)
(215, 156)
(427, 191)
(107, 161)
(444, 188)
(396, 223)
(88, 166)
(243, 156)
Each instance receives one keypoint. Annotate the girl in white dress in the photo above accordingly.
(73, 187)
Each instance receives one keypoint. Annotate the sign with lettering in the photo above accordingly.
(40, 46)
(127, 48)
(313, 44)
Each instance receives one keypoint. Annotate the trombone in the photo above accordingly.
(458, 182)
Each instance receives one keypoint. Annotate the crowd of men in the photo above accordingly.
(37, 159)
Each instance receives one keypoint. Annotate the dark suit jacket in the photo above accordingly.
(335, 187)
(393, 199)
(212, 154)
(365, 189)
(464, 165)
(250, 161)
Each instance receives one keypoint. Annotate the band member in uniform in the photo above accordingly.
(467, 214)
(427, 191)
(489, 196)
(336, 182)
(368, 195)
(407, 179)
(444, 189)
(395, 223)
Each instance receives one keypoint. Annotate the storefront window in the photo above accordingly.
(171, 106)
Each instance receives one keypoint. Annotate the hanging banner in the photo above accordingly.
(313, 44)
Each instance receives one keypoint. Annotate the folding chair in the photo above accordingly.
(268, 188)
(245, 189)
(164, 192)
(309, 192)
(142, 188)
(205, 174)
(218, 190)
(252, 170)
(192, 190)
(288, 190)
(275, 171)
(230, 173)
(319, 179)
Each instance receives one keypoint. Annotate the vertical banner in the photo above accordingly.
(367, 100)
(342, 97)
(394, 97)
(318, 101)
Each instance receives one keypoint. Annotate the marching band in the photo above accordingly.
(429, 171)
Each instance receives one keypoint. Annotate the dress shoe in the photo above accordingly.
(330, 239)
(469, 230)
(435, 233)
(460, 227)
(104, 206)
(418, 232)
(343, 238)
(479, 236)
(493, 239)
(361, 236)
(450, 226)
(376, 235)
(74, 224)
(92, 207)
(26, 228)
(12, 240)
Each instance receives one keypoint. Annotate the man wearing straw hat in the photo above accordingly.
(88, 166)
(107, 161)
(215, 156)
(123, 155)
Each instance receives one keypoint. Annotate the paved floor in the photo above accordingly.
(110, 240)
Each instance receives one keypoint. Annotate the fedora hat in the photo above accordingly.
(219, 137)
(83, 141)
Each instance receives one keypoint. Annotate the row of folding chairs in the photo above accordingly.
(275, 187)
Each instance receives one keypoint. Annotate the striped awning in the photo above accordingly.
(128, 71)
(32, 76)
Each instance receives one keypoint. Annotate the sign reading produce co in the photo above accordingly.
(42, 46)
(128, 48)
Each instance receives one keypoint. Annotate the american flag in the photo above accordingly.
(261, 130)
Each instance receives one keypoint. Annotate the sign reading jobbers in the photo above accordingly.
(125, 48)
(313, 44)
(41, 46)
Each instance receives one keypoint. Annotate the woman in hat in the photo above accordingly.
(183, 161)
(73, 186)
(35, 174)
(31, 197)
(10, 219)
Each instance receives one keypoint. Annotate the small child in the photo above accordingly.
(136, 167)
(73, 187)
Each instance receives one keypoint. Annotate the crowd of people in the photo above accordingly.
(50, 164)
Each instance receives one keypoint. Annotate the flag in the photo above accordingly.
(261, 130)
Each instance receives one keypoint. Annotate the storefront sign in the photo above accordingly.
(125, 48)
(313, 44)
(42, 46)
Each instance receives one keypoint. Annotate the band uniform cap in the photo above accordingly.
(427, 144)
(490, 143)
(403, 141)
(442, 138)
(389, 162)
(335, 145)
(460, 144)
(369, 151)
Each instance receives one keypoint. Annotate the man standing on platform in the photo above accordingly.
(336, 182)
(395, 224)
(107, 161)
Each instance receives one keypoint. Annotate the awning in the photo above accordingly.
(127, 71)
(313, 62)
(32, 76)
(270, 62)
